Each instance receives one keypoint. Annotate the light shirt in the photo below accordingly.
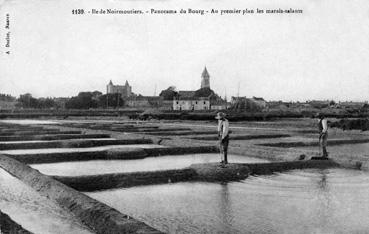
(223, 128)
(324, 125)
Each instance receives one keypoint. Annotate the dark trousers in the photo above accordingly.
(223, 147)
(323, 137)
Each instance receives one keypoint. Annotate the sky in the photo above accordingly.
(322, 53)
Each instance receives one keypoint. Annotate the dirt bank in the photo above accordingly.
(181, 150)
(75, 143)
(126, 180)
(98, 216)
(315, 143)
(111, 154)
(210, 172)
(51, 131)
(242, 137)
(215, 172)
(50, 137)
(268, 168)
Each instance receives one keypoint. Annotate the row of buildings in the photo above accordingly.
(201, 99)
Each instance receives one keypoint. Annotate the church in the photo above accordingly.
(201, 99)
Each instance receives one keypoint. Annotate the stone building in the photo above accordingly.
(144, 101)
(219, 104)
(124, 90)
(188, 103)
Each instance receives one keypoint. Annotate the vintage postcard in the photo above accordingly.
(184, 116)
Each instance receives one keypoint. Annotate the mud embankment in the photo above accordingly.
(126, 180)
(126, 128)
(31, 132)
(76, 143)
(52, 137)
(242, 137)
(7, 225)
(11, 127)
(113, 154)
(181, 150)
(210, 172)
(97, 216)
(269, 168)
(36, 113)
(149, 130)
(314, 143)
(182, 133)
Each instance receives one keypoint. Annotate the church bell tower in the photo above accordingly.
(205, 79)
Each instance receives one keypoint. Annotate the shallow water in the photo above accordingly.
(20, 142)
(33, 212)
(28, 121)
(92, 149)
(147, 164)
(307, 201)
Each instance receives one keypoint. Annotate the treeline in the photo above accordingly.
(84, 100)
(88, 100)
(27, 101)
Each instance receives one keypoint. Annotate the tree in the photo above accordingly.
(204, 92)
(111, 100)
(45, 103)
(169, 93)
(84, 100)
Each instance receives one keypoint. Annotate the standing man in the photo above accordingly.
(323, 134)
(223, 134)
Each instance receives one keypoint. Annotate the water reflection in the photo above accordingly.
(324, 200)
(225, 210)
(300, 201)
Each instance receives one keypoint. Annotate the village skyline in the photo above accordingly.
(320, 54)
(199, 82)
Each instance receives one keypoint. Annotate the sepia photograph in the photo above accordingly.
(184, 116)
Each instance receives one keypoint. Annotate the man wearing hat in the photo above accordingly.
(223, 134)
(323, 134)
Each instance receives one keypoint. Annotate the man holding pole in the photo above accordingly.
(223, 134)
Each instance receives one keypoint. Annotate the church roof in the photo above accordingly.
(186, 94)
(205, 73)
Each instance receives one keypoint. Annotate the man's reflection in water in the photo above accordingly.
(324, 197)
(225, 209)
(323, 181)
